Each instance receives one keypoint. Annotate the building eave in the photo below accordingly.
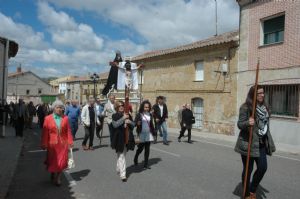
(228, 37)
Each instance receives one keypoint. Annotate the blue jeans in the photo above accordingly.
(261, 165)
(162, 128)
(74, 127)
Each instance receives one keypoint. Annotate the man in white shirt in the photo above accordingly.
(89, 119)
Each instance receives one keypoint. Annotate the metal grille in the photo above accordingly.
(283, 99)
(198, 112)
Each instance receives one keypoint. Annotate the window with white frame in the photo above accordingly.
(273, 30)
(283, 99)
(199, 75)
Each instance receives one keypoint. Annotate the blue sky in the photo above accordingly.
(74, 37)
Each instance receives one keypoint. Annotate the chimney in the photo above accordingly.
(19, 69)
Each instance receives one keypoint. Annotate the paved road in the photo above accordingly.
(206, 169)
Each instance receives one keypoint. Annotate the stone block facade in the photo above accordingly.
(173, 76)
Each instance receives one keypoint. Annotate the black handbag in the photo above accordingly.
(193, 120)
(131, 141)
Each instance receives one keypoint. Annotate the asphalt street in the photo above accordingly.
(206, 169)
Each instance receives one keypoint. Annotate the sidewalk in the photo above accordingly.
(295, 150)
(10, 150)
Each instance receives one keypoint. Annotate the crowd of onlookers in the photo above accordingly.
(27, 111)
(21, 114)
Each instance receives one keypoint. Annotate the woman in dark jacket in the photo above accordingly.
(122, 140)
(145, 131)
(186, 123)
(262, 142)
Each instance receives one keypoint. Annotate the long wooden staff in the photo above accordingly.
(251, 130)
(126, 110)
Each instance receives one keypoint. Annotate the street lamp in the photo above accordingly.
(141, 85)
(95, 78)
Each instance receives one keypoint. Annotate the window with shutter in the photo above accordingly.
(199, 76)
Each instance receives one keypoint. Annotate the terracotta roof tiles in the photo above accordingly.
(219, 39)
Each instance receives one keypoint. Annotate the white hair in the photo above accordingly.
(57, 103)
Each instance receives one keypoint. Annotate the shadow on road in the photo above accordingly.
(79, 175)
(77, 139)
(100, 146)
(31, 180)
(139, 168)
(260, 193)
(160, 142)
(104, 136)
(75, 149)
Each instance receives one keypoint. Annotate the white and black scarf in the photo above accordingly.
(263, 119)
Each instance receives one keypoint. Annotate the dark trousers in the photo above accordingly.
(111, 132)
(74, 127)
(141, 147)
(19, 126)
(29, 122)
(89, 134)
(261, 164)
(41, 121)
(11, 121)
(183, 128)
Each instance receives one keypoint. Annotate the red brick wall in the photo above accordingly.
(281, 55)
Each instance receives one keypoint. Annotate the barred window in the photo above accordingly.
(283, 99)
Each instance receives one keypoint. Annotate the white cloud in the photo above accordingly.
(22, 34)
(77, 49)
(66, 32)
(164, 23)
(36, 54)
(126, 46)
(53, 19)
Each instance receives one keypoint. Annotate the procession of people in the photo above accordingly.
(137, 130)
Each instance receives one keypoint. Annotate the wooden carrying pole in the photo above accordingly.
(251, 130)
(126, 109)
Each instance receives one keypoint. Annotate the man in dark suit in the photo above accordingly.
(160, 113)
(20, 114)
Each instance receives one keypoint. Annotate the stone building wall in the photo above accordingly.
(173, 76)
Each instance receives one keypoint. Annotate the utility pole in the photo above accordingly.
(7, 49)
(216, 12)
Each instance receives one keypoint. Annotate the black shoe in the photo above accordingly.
(166, 143)
(124, 180)
(52, 177)
(155, 141)
(135, 161)
(190, 142)
(58, 184)
(146, 167)
(179, 139)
